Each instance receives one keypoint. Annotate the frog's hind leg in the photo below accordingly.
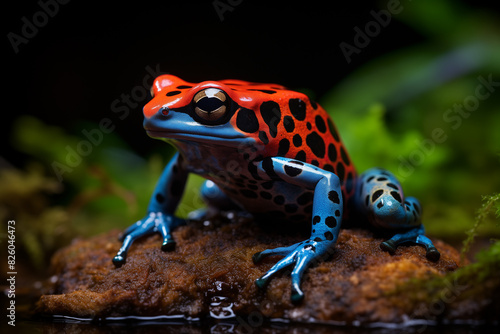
(380, 197)
(215, 200)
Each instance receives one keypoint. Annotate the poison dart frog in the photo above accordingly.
(275, 154)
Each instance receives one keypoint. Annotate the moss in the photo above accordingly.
(41, 227)
(490, 203)
(211, 271)
(473, 285)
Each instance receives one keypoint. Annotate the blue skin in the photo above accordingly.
(378, 197)
(327, 215)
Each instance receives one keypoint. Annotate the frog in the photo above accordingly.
(275, 154)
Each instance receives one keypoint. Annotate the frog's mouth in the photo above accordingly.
(181, 127)
(218, 138)
(194, 137)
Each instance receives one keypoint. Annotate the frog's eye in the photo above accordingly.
(211, 104)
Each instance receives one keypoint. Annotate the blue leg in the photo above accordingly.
(160, 217)
(326, 218)
(380, 197)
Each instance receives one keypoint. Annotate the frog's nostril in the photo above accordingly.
(164, 111)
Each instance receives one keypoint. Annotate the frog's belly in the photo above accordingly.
(275, 200)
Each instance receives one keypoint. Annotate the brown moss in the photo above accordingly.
(211, 270)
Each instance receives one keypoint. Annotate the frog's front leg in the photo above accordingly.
(160, 217)
(379, 195)
(326, 218)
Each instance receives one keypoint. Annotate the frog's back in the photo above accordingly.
(293, 126)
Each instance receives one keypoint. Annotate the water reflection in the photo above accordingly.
(213, 326)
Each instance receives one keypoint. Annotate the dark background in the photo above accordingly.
(90, 53)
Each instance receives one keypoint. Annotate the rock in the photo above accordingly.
(211, 273)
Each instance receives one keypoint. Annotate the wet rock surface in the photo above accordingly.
(211, 273)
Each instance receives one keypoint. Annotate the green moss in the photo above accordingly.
(490, 203)
(475, 284)
(41, 227)
(476, 281)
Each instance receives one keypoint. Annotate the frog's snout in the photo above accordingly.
(155, 122)
(158, 114)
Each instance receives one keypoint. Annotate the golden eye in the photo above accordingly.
(152, 91)
(211, 104)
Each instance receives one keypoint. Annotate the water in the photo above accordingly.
(160, 325)
(222, 319)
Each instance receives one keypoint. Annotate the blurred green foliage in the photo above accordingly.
(107, 188)
(387, 113)
(40, 227)
(491, 204)
(477, 281)
(388, 110)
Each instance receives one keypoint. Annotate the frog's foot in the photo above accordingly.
(302, 254)
(155, 222)
(415, 235)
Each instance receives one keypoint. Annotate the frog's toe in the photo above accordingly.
(163, 226)
(155, 222)
(431, 251)
(280, 251)
(388, 246)
(304, 258)
(131, 230)
(261, 282)
(121, 256)
(257, 257)
(119, 260)
(300, 255)
(433, 254)
(168, 245)
(297, 294)
(281, 264)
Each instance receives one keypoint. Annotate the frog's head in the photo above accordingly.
(193, 112)
(227, 112)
